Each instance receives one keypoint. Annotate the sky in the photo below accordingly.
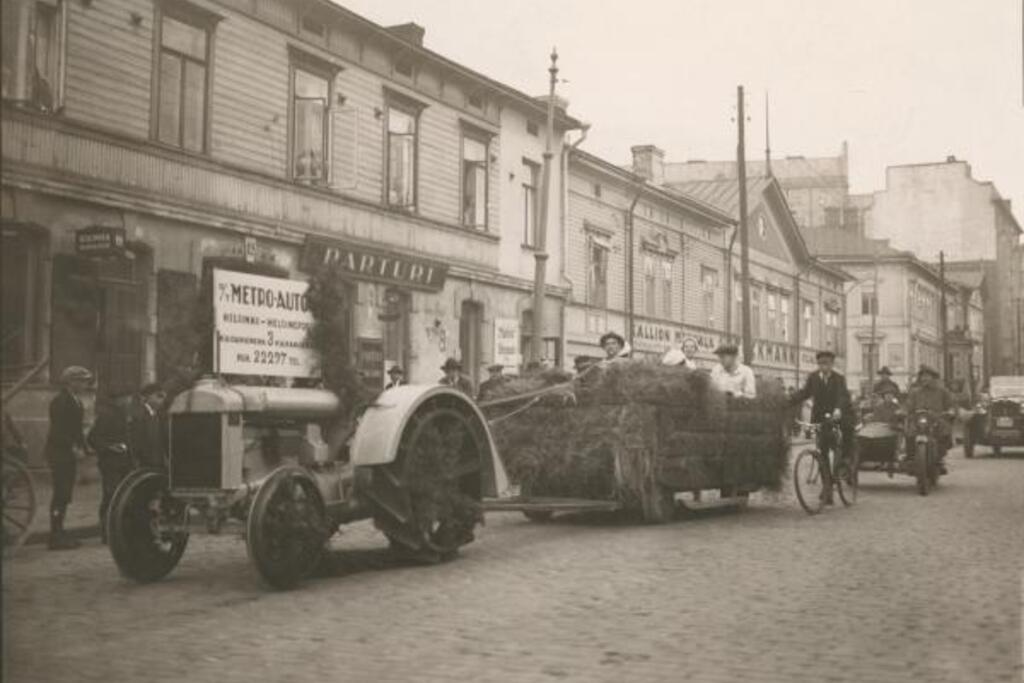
(902, 81)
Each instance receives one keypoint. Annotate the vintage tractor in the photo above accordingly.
(272, 463)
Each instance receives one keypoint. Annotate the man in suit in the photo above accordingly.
(65, 443)
(454, 378)
(831, 399)
(109, 439)
(146, 432)
(397, 376)
(493, 382)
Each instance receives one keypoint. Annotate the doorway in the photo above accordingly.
(471, 339)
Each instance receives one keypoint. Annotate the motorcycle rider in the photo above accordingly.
(930, 395)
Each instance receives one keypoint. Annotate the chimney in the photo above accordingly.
(649, 162)
(410, 32)
(950, 159)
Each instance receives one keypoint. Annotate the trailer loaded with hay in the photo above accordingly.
(630, 436)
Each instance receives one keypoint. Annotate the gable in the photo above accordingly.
(766, 236)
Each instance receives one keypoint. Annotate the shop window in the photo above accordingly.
(22, 303)
(471, 339)
(474, 181)
(182, 92)
(598, 249)
(33, 52)
(395, 316)
(310, 132)
(401, 128)
(177, 338)
(531, 181)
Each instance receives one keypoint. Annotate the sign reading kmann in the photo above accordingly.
(371, 264)
(260, 326)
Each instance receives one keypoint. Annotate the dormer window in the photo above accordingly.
(475, 101)
(403, 67)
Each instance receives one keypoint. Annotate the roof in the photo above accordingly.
(398, 38)
(822, 242)
(724, 193)
(824, 171)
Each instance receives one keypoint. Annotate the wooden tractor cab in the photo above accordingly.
(279, 466)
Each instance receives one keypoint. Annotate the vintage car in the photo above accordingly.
(998, 419)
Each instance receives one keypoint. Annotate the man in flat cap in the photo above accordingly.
(730, 375)
(930, 395)
(615, 347)
(454, 378)
(65, 442)
(397, 376)
(493, 382)
(830, 399)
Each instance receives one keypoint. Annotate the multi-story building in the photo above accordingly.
(894, 312)
(257, 135)
(660, 263)
(930, 208)
(817, 188)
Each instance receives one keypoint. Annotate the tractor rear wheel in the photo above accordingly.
(427, 501)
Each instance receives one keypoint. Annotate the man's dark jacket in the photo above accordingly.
(146, 437)
(66, 417)
(827, 396)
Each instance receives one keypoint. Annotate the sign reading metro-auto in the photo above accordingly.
(363, 263)
(260, 326)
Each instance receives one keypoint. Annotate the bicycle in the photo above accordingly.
(807, 477)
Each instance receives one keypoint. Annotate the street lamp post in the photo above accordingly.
(540, 254)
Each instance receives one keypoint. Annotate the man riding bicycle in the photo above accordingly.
(831, 399)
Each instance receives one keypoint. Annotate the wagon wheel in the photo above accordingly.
(19, 503)
(287, 527)
(143, 552)
(427, 502)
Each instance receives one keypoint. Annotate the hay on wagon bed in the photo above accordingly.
(628, 420)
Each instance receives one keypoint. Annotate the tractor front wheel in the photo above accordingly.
(140, 549)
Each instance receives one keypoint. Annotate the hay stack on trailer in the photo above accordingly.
(638, 433)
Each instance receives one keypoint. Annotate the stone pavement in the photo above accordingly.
(899, 588)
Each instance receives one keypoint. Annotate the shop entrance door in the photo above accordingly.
(470, 341)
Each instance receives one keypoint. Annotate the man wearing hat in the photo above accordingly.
(827, 390)
(64, 442)
(615, 347)
(930, 395)
(730, 375)
(454, 378)
(885, 384)
(493, 382)
(146, 428)
(397, 376)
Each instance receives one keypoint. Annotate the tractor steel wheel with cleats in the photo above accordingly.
(143, 552)
(427, 502)
(287, 527)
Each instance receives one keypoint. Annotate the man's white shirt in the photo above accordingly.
(739, 382)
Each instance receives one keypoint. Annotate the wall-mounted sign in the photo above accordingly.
(260, 326)
(100, 240)
(363, 263)
(506, 342)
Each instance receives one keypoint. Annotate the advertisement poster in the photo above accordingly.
(260, 326)
(506, 343)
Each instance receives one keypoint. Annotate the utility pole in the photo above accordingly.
(874, 328)
(540, 254)
(767, 139)
(741, 164)
(943, 318)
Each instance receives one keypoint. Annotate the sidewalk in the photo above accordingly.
(82, 520)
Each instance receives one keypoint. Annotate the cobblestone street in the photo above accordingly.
(899, 588)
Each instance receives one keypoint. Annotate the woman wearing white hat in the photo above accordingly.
(676, 357)
(63, 443)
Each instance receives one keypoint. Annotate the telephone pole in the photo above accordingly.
(741, 164)
(943, 318)
(540, 254)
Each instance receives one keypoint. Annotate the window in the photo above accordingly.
(896, 354)
(597, 190)
(755, 312)
(666, 287)
(868, 303)
(181, 98)
(832, 330)
(807, 328)
(21, 294)
(708, 285)
(773, 323)
(737, 299)
(533, 129)
(33, 54)
(784, 317)
(597, 271)
(531, 175)
(762, 226)
(474, 182)
(869, 357)
(832, 217)
(403, 67)
(310, 115)
(650, 285)
(312, 26)
(402, 128)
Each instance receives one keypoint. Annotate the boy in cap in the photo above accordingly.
(730, 375)
(397, 376)
(930, 395)
(64, 442)
(831, 398)
(454, 378)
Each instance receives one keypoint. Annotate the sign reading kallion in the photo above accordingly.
(371, 264)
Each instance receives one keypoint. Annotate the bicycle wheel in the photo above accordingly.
(848, 479)
(807, 481)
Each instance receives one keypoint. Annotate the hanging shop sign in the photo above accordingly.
(375, 265)
(506, 343)
(261, 325)
(100, 240)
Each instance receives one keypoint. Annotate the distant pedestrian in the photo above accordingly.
(397, 376)
(732, 377)
(146, 441)
(65, 443)
(493, 383)
(109, 439)
(885, 384)
(454, 378)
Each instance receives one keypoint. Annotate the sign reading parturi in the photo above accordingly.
(363, 263)
(260, 326)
